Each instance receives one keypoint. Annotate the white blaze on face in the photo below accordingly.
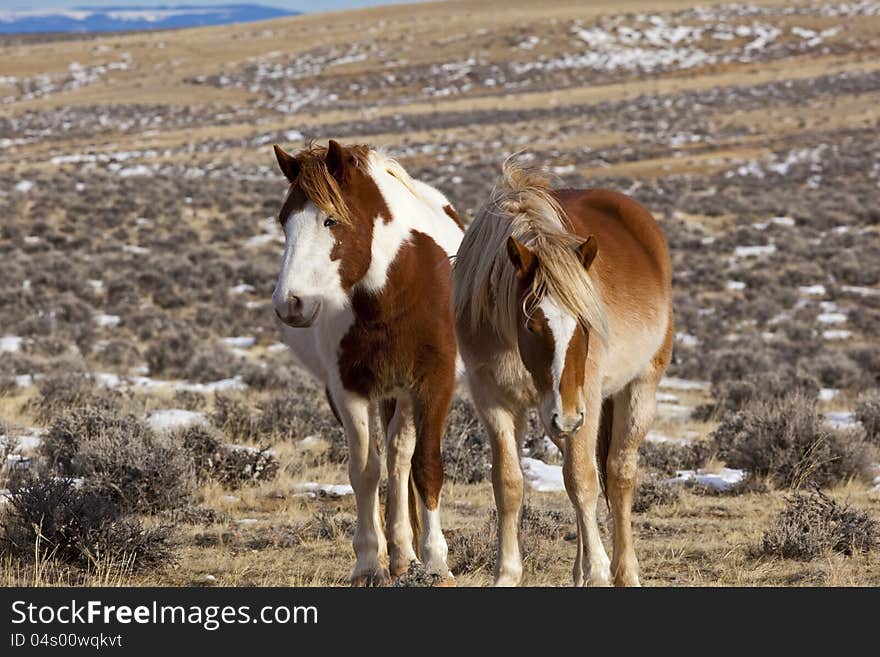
(306, 269)
(562, 327)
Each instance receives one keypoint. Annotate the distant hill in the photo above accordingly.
(117, 19)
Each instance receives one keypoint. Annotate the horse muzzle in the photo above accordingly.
(296, 313)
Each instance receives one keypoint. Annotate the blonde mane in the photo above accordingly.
(486, 291)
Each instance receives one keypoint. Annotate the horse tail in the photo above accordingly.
(415, 513)
(603, 444)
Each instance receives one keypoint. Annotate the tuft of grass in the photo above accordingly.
(812, 524)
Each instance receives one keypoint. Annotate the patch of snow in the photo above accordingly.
(10, 344)
(837, 334)
(674, 410)
(654, 437)
(827, 394)
(861, 291)
(313, 489)
(735, 286)
(241, 288)
(175, 418)
(107, 320)
(754, 251)
(812, 290)
(240, 342)
(687, 339)
(841, 419)
(782, 221)
(24, 186)
(310, 441)
(831, 318)
(675, 383)
(667, 397)
(542, 477)
(724, 479)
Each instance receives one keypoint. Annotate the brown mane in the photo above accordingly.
(320, 186)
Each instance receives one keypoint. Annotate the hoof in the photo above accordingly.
(377, 578)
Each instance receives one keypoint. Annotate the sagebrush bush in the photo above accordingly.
(60, 393)
(868, 414)
(786, 441)
(474, 550)
(466, 455)
(669, 457)
(57, 519)
(231, 465)
(120, 452)
(652, 492)
(812, 524)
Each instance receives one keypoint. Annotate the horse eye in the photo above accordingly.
(530, 327)
(329, 221)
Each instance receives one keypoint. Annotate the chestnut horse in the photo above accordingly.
(563, 301)
(364, 299)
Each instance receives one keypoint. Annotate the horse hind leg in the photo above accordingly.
(634, 409)
(427, 463)
(401, 434)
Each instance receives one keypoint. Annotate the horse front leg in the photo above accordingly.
(364, 468)
(505, 429)
(401, 446)
(592, 566)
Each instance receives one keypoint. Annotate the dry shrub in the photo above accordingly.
(231, 465)
(786, 441)
(474, 550)
(669, 457)
(652, 492)
(812, 524)
(291, 415)
(121, 453)
(58, 394)
(466, 456)
(868, 413)
(417, 577)
(54, 519)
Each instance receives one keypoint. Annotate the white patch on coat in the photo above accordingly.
(562, 327)
(421, 211)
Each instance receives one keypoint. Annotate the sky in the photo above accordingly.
(298, 5)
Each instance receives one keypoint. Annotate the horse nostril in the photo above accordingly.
(294, 306)
(580, 421)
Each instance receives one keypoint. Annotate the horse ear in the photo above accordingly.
(524, 260)
(288, 163)
(587, 250)
(337, 160)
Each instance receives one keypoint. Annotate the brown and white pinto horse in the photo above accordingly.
(364, 300)
(563, 301)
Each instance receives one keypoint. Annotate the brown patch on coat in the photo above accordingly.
(295, 201)
(449, 210)
(400, 341)
(571, 383)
